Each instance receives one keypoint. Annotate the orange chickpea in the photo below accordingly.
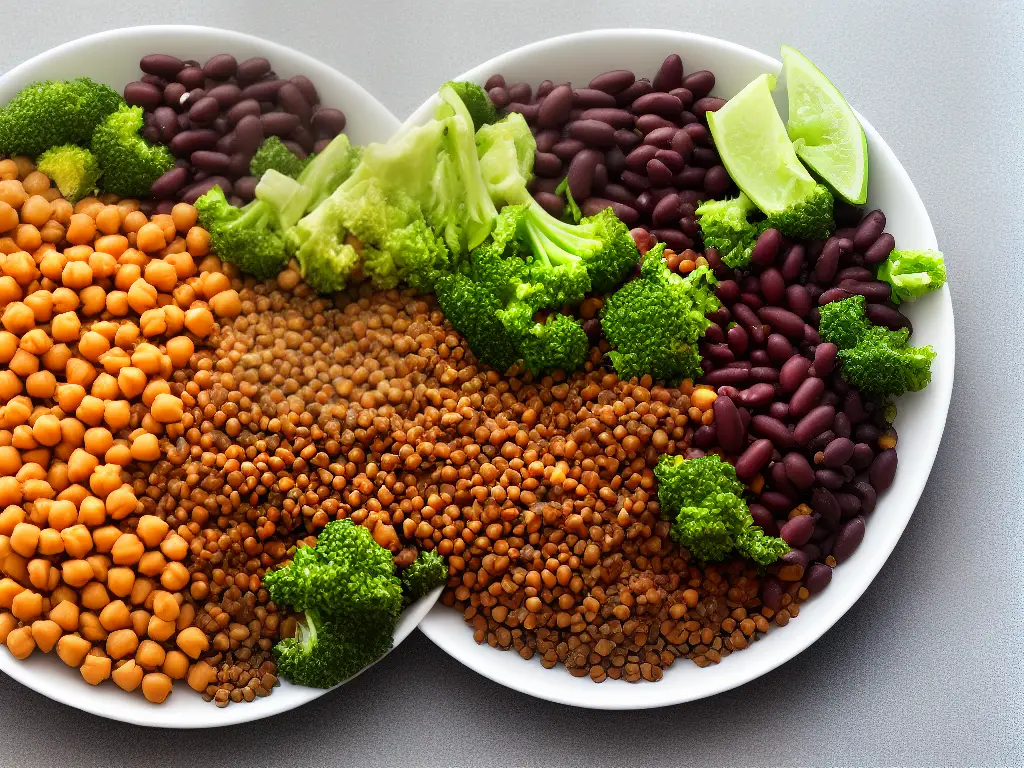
(165, 606)
(120, 581)
(52, 232)
(127, 676)
(27, 237)
(91, 511)
(104, 538)
(150, 237)
(92, 345)
(10, 460)
(90, 411)
(20, 642)
(76, 573)
(174, 547)
(65, 613)
(37, 489)
(50, 542)
(91, 629)
(146, 358)
(18, 318)
(105, 480)
(76, 275)
(175, 665)
(121, 503)
(108, 220)
(94, 299)
(151, 529)
(198, 241)
(36, 182)
(131, 381)
(24, 539)
(36, 210)
(21, 266)
(127, 549)
(36, 342)
(115, 245)
(126, 275)
(153, 322)
(8, 215)
(24, 363)
(167, 409)
(64, 299)
(98, 440)
(117, 303)
(161, 631)
(213, 283)
(162, 275)
(62, 514)
(81, 229)
(226, 304)
(95, 669)
(115, 616)
(27, 605)
(79, 372)
(62, 211)
(141, 296)
(41, 304)
(121, 643)
(9, 290)
(8, 346)
(46, 633)
(66, 327)
(39, 571)
(46, 430)
(133, 222)
(184, 216)
(199, 321)
(154, 388)
(105, 387)
(77, 541)
(151, 564)
(12, 192)
(73, 649)
(94, 596)
(117, 414)
(102, 264)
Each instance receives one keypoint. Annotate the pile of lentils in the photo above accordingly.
(214, 116)
(640, 146)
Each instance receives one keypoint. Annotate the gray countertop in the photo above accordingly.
(924, 670)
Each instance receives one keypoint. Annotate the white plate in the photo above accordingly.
(113, 58)
(922, 416)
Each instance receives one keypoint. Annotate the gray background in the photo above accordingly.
(925, 669)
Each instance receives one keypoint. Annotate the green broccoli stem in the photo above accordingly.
(571, 239)
(463, 139)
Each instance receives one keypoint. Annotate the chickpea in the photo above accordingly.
(41, 304)
(24, 539)
(36, 210)
(126, 336)
(12, 191)
(121, 643)
(95, 669)
(76, 573)
(8, 346)
(98, 440)
(8, 215)
(92, 345)
(73, 649)
(10, 493)
(66, 327)
(7, 625)
(46, 633)
(174, 547)
(91, 629)
(117, 303)
(21, 643)
(120, 581)
(174, 317)
(36, 183)
(226, 304)
(175, 665)
(39, 571)
(52, 232)
(146, 358)
(91, 511)
(153, 322)
(105, 537)
(127, 676)
(79, 371)
(64, 299)
(90, 411)
(94, 596)
(50, 542)
(27, 605)
(133, 222)
(46, 430)
(117, 414)
(10, 168)
(151, 564)
(146, 447)
(108, 220)
(62, 211)
(115, 245)
(199, 321)
(77, 539)
(76, 275)
(127, 549)
(160, 630)
(105, 386)
(94, 299)
(41, 385)
(24, 363)
(131, 381)
(115, 616)
(65, 613)
(36, 342)
(27, 237)
(150, 238)
(156, 687)
(18, 318)
(151, 529)
(167, 409)
(175, 577)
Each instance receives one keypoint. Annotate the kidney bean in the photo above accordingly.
(670, 74)
(659, 173)
(699, 83)
(619, 194)
(829, 478)
(731, 434)
(631, 93)
(328, 123)
(172, 95)
(757, 395)
(850, 536)
(868, 496)
(187, 142)
(772, 592)
(705, 436)
(797, 532)
(774, 430)
(793, 263)
(625, 140)
(143, 95)
(169, 183)
(814, 423)
(613, 82)
(728, 391)
(666, 210)
(798, 559)
(773, 287)
(617, 118)
(859, 274)
(806, 397)
(825, 358)
(592, 98)
(779, 348)
(197, 190)
(793, 373)
(637, 159)
(499, 97)
(191, 77)
(874, 291)
(211, 162)
(893, 319)
(783, 321)
(581, 173)
(659, 138)
(778, 503)
(545, 140)
(674, 239)
(220, 67)
(717, 181)
(251, 70)
(883, 469)
(841, 425)
(624, 213)
(279, 123)
(522, 92)
(752, 300)
(811, 337)
(672, 160)
(862, 456)
(245, 187)
(554, 110)
(291, 99)
(248, 134)
(565, 150)
(203, 111)
(868, 230)
(824, 502)
(154, 80)
(739, 342)
(818, 577)
(663, 104)
(547, 164)
(161, 65)
(867, 433)
(838, 452)
(779, 410)
(780, 480)
(648, 123)
(828, 262)
(690, 177)
(753, 459)
(243, 108)
(550, 202)
(745, 315)
(593, 133)
(720, 353)
(763, 519)
(798, 470)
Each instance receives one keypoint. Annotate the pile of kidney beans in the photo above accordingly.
(213, 117)
(784, 409)
(640, 146)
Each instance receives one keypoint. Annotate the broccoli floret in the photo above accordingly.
(912, 274)
(725, 226)
(654, 322)
(351, 597)
(559, 343)
(472, 309)
(477, 102)
(506, 150)
(130, 163)
(572, 210)
(882, 363)
(843, 322)
(53, 113)
(426, 572)
(274, 154)
(703, 500)
(811, 218)
(74, 170)
(243, 236)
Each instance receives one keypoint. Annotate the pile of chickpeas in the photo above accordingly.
(99, 305)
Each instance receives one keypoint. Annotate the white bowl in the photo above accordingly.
(113, 58)
(922, 416)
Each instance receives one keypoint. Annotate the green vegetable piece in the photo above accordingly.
(559, 343)
(843, 322)
(427, 572)
(882, 363)
(54, 113)
(655, 321)
(754, 544)
(245, 236)
(572, 211)
(912, 274)
(724, 226)
(130, 163)
(347, 588)
(272, 153)
(478, 103)
(506, 150)
(472, 309)
(74, 170)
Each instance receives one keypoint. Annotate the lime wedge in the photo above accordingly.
(752, 142)
(826, 133)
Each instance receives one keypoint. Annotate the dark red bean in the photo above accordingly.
(705, 157)
(797, 532)
(862, 456)
(494, 81)
(203, 111)
(291, 100)
(264, 90)
(661, 138)
(628, 95)
(684, 96)
(793, 373)
(672, 160)
(851, 534)
(593, 133)
(829, 478)
(187, 142)
(251, 70)
(798, 470)
(699, 83)
(717, 181)
(868, 230)
(172, 94)
(833, 294)
(666, 210)
(161, 65)
(799, 300)
(639, 184)
(566, 149)
(860, 274)
(772, 592)
(591, 98)
(793, 263)
(705, 436)
(779, 349)
(720, 353)
(778, 503)
(245, 187)
(581, 173)
(818, 577)
(554, 110)
(499, 97)
(624, 213)
(824, 503)
(617, 118)
(547, 164)
(707, 104)
(753, 459)
(197, 190)
(550, 202)
(773, 287)
(745, 315)
(243, 108)
(838, 452)
(880, 249)
(211, 162)
(739, 341)
(764, 374)
(619, 194)
(154, 80)
(637, 159)
(191, 78)
(828, 262)
(613, 82)
(528, 111)
(674, 239)
(731, 434)
(279, 123)
(144, 95)
(814, 423)
(169, 183)
(783, 321)
(228, 94)
(670, 74)
(825, 358)
(690, 177)
(868, 496)
(248, 134)
(650, 122)
(774, 430)
(626, 140)
(893, 319)
(867, 433)
(166, 121)
(663, 104)
(883, 470)
(752, 300)
(658, 173)
(522, 92)
(806, 397)
(763, 519)
(548, 138)
(681, 143)
(239, 164)
(220, 67)
(545, 87)
(757, 395)
(728, 290)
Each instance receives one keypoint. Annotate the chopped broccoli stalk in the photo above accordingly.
(245, 236)
(74, 170)
(572, 211)
(478, 103)
(506, 150)
(285, 195)
(874, 359)
(274, 154)
(347, 588)
(130, 163)
(703, 500)
(655, 321)
(725, 226)
(425, 573)
(912, 274)
(324, 172)
(53, 113)
(882, 363)
(843, 322)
